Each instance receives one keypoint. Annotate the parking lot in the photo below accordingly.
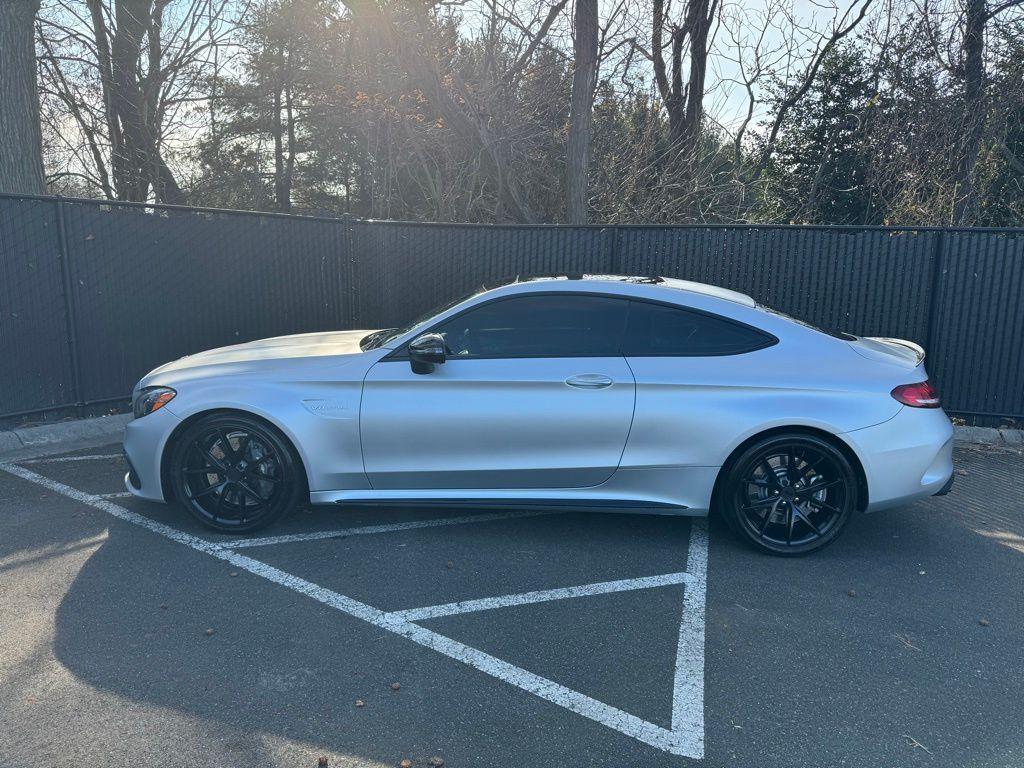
(130, 635)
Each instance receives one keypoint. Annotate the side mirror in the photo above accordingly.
(426, 351)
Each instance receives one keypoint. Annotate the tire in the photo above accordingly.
(235, 473)
(789, 494)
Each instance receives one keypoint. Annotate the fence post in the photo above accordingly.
(614, 258)
(933, 290)
(68, 285)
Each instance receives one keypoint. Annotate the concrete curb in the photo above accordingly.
(989, 435)
(68, 435)
(63, 436)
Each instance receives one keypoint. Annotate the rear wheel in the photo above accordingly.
(234, 473)
(789, 494)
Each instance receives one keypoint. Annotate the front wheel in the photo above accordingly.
(234, 473)
(789, 494)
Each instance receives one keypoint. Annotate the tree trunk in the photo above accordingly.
(21, 144)
(703, 17)
(133, 18)
(965, 207)
(581, 109)
(119, 162)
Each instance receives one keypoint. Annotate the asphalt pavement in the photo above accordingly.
(131, 636)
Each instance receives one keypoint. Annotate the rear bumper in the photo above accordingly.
(144, 441)
(906, 458)
(946, 488)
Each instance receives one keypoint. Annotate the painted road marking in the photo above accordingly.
(118, 495)
(541, 596)
(688, 689)
(268, 541)
(59, 459)
(685, 738)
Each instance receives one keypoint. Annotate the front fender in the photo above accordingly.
(320, 419)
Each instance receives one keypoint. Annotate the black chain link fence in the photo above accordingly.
(95, 294)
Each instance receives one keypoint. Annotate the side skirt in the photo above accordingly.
(566, 505)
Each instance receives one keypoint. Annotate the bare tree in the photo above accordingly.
(125, 72)
(581, 108)
(976, 16)
(688, 41)
(21, 158)
(844, 26)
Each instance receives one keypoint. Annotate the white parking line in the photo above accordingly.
(688, 690)
(436, 522)
(118, 495)
(541, 596)
(60, 459)
(685, 738)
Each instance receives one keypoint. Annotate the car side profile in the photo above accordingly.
(592, 392)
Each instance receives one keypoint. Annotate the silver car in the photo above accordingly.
(590, 392)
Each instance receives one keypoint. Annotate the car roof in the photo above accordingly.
(668, 283)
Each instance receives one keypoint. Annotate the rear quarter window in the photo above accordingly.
(658, 330)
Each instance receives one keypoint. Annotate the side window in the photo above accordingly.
(546, 325)
(655, 330)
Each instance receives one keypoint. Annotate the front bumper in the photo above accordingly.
(906, 458)
(144, 441)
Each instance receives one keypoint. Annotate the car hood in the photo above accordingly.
(263, 355)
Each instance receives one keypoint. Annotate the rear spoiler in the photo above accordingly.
(917, 349)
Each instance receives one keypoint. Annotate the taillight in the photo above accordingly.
(919, 395)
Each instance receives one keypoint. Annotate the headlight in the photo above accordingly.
(152, 399)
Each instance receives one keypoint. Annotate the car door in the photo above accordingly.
(701, 379)
(533, 394)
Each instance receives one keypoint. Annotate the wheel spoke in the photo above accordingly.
(250, 492)
(211, 461)
(823, 505)
(770, 474)
(243, 445)
(210, 489)
(805, 517)
(766, 521)
(790, 519)
(759, 503)
(229, 452)
(221, 499)
(820, 486)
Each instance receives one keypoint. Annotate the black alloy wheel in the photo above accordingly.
(235, 474)
(789, 494)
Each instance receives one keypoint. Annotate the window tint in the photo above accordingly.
(656, 330)
(560, 325)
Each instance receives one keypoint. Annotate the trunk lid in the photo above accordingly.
(901, 352)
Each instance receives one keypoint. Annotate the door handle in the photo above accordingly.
(589, 381)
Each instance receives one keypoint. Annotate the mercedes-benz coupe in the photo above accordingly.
(602, 393)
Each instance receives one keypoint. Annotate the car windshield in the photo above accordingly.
(386, 336)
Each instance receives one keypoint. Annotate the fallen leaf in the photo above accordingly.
(209, 632)
(983, 622)
(322, 761)
(916, 744)
(852, 593)
(437, 761)
(396, 686)
(405, 764)
(449, 564)
(360, 703)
